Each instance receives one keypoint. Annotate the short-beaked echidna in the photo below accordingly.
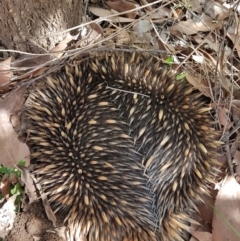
(121, 147)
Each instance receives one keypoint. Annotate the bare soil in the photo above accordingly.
(32, 225)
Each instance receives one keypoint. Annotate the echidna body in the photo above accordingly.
(121, 147)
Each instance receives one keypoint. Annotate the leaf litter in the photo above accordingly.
(202, 40)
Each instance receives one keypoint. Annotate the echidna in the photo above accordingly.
(121, 148)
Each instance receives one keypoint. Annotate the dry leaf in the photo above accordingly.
(216, 10)
(224, 118)
(226, 221)
(178, 13)
(202, 236)
(237, 161)
(31, 61)
(103, 13)
(58, 50)
(4, 187)
(200, 84)
(190, 27)
(208, 43)
(122, 6)
(27, 179)
(143, 26)
(162, 12)
(95, 33)
(206, 210)
(225, 83)
(235, 40)
(5, 75)
(11, 149)
(96, 27)
(195, 6)
(236, 110)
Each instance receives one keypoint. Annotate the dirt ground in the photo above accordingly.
(31, 225)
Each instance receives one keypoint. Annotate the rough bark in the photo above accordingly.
(31, 25)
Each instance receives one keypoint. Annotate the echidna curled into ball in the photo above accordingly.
(121, 148)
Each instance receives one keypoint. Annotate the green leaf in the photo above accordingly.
(181, 76)
(22, 163)
(18, 173)
(169, 60)
(14, 190)
(17, 189)
(5, 170)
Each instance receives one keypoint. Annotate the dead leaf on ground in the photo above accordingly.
(226, 222)
(96, 27)
(236, 109)
(223, 80)
(223, 117)
(195, 6)
(201, 236)
(162, 12)
(236, 159)
(28, 61)
(235, 40)
(11, 149)
(216, 10)
(206, 210)
(200, 84)
(208, 42)
(143, 26)
(105, 14)
(58, 50)
(5, 74)
(178, 13)
(123, 6)
(95, 33)
(27, 179)
(190, 27)
(5, 187)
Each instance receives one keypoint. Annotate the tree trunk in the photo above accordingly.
(32, 25)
